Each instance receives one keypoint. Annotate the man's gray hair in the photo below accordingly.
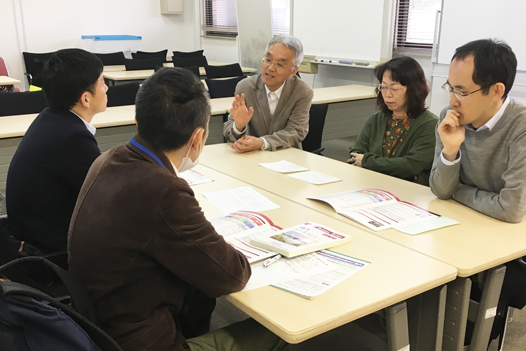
(292, 43)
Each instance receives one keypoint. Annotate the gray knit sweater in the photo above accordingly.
(491, 174)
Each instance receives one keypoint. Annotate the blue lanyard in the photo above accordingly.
(143, 148)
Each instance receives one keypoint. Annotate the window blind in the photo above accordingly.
(281, 16)
(219, 18)
(415, 24)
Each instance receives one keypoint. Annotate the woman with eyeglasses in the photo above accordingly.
(400, 139)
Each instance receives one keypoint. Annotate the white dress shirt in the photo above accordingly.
(89, 126)
(273, 100)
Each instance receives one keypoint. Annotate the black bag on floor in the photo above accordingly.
(31, 320)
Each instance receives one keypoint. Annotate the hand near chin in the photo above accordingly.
(452, 134)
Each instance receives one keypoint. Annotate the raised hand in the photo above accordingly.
(240, 112)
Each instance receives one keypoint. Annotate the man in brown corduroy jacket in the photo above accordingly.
(138, 239)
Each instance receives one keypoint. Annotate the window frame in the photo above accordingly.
(400, 42)
(207, 20)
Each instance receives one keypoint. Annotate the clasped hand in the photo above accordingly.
(247, 143)
(356, 159)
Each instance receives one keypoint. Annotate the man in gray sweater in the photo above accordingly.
(480, 154)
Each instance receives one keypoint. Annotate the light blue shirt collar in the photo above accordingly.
(90, 127)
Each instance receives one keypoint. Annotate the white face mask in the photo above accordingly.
(187, 162)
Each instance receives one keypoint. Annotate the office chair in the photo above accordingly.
(143, 55)
(111, 59)
(34, 65)
(22, 103)
(226, 71)
(122, 94)
(199, 61)
(187, 54)
(194, 70)
(312, 141)
(219, 88)
(136, 65)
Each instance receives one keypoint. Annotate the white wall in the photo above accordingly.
(9, 49)
(55, 24)
(50, 25)
(222, 50)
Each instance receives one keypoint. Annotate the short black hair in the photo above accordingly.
(67, 75)
(169, 106)
(406, 71)
(494, 62)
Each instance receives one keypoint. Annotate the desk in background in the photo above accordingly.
(349, 108)
(394, 275)
(8, 82)
(114, 126)
(118, 73)
(479, 244)
(354, 104)
(4, 80)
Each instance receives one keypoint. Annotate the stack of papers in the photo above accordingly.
(300, 239)
(308, 275)
(239, 227)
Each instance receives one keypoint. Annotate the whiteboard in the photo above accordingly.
(340, 29)
(467, 20)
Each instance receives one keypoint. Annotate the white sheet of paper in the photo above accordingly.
(287, 269)
(194, 178)
(240, 199)
(426, 225)
(316, 284)
(284, 167)
(314, 177)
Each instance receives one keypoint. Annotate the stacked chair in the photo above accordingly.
(34, 64)
(111, 59)
(21, 103)
(222, 80)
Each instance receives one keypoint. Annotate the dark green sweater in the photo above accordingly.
(414, 156)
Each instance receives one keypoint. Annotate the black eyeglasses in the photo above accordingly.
(459, 94)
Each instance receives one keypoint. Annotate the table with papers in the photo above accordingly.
(478, 244)
(381, 284)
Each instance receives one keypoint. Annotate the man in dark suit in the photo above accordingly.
(50, 164)
(271, 110)
(138, 239)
